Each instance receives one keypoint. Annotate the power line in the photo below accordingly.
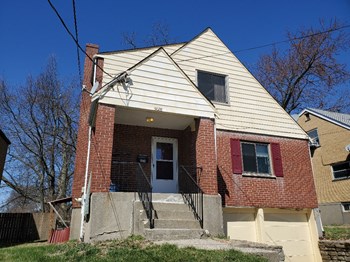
(74, 39)
(271, 44)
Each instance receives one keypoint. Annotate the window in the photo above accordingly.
(346, 207)
(307, 115)
(256, 158)
(315, 141)
(213, 86)
(341, 171)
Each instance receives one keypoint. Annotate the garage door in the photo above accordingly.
(290, 231)
(241, 226)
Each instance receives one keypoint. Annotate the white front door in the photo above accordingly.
(164, 165)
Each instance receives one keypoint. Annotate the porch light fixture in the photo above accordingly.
(149, 119)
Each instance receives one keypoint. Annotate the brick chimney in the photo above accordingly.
(83, 130)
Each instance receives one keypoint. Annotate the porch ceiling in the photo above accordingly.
(136, 117)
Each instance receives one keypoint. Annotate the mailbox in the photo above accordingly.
(142, 159)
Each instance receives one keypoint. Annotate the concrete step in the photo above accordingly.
(179, 215)
(167, 198)
(166, 214)
(172, 234)
(175, 224)
(174, 207)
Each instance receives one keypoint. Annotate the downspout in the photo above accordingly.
(316, 211)
(83, 205)
(215, 143)
(95, 64)
(85, 185)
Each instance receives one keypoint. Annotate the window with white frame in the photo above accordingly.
(315, 140)
(346, 207)
(213, 86)
(341, 171)
(256, 158)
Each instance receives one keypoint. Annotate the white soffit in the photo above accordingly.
(135, 117)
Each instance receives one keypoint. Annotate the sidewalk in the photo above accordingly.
(272, 253)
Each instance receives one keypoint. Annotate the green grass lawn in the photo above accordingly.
(132, 249)
(337, 232)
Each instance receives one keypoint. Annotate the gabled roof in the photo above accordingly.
(138, 70)
(339, 119)
(141, 48)
(161, 49)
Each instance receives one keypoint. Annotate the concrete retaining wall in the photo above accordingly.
(118, 215)
(333, 214)
(335, 250)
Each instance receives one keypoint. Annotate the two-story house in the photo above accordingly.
(177, 139)
(330, 148)
(4, 143)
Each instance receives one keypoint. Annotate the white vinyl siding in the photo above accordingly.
(118, 62)
(251, 108)
(158, 84)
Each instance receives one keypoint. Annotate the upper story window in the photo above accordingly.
(256, 158)
(213, 86)
(315, 140)
(341, 171)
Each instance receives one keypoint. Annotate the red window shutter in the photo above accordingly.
(236, 156)
(276, 159)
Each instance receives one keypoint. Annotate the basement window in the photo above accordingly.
(346, 207)
(213, 86)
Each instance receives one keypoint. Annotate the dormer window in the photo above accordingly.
(213, 86)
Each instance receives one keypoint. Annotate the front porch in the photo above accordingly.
(158, 156)
(137, 160)
(166, 148)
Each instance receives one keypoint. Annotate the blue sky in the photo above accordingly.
(30, 31)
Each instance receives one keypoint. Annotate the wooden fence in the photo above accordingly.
(23, 227)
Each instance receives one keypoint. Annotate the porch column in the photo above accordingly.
(205, 155)
(101, 148)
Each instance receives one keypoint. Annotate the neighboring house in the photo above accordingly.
(4, 143)
(330, 145)
(183, 115)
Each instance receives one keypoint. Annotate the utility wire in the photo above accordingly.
(95, 143)
(77, 38)
(271, 44)
(74, 39)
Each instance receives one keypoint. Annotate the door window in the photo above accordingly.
(164, 161)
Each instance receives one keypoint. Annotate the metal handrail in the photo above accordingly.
(143, 188)
(145, 194)
(192, 193)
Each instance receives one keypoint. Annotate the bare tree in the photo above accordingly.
(308, 73)
(40, 119)
(159, 35)
(129, 39)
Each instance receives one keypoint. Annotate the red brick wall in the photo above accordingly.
(294, 190)
(205, 155)
(130, 141)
